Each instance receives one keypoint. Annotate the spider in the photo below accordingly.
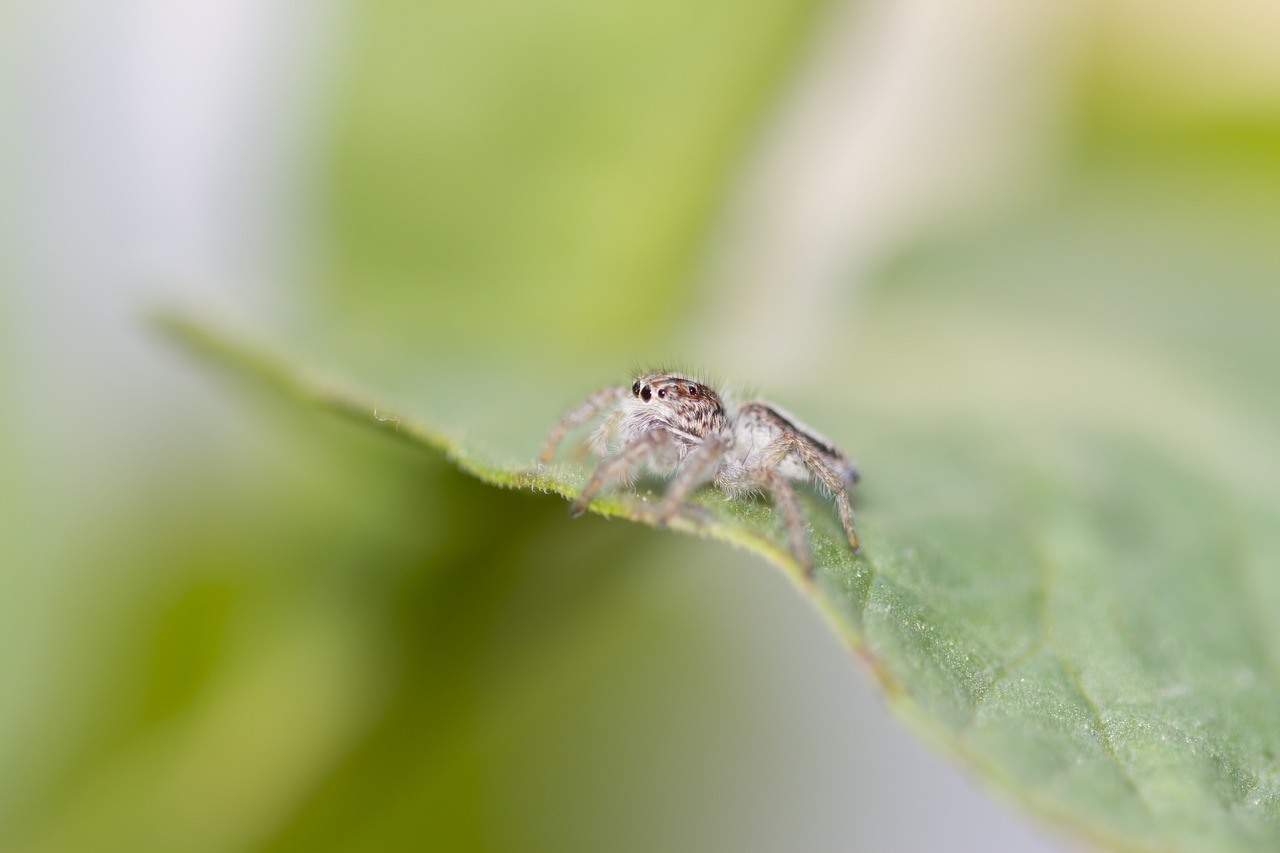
(672, 424)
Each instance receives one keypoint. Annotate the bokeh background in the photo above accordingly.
(229, 625)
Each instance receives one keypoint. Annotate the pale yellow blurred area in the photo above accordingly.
(1191, 58)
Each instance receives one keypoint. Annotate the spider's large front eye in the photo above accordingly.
(645, 393)
(635, 389)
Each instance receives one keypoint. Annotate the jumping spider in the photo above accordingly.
(675, 425)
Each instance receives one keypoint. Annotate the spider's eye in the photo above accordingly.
(635, 389)
(645, 393)
(662, 392)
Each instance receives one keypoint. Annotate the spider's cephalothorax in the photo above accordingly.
(686, 410)
(673, 424)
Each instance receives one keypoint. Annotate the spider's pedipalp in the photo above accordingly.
(698, 468)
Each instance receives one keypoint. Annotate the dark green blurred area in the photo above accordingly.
(279, 633)
(362, 653)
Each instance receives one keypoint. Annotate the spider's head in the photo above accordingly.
(677, 401)
(669, 389)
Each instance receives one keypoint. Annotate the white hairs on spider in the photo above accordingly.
(678, 426)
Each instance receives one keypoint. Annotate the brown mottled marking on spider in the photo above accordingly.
(673, 425)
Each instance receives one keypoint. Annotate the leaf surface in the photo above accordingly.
(1082, 618)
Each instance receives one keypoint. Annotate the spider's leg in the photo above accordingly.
(829, 476)
(580, 413)
(695, 471)
(784, 497)
(615, 467)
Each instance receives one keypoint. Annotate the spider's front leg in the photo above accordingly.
(579, 414)
(617, 466)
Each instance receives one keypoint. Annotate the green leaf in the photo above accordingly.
(1078, 615)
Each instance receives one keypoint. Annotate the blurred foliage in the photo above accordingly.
(282, 632)
(538, 178)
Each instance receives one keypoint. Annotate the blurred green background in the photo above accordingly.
(229, 625)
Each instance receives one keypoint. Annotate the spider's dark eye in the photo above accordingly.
(693, 390)
(662, 392)
(635, 389)
(645, 393)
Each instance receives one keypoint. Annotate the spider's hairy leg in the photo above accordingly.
(830, 478)
(579, 414)
(696, 470)
(617, 466)
(784, 497)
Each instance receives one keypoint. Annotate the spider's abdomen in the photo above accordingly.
(755, 444)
